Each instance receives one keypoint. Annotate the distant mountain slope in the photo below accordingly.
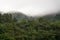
(53, 16)
(18, 15)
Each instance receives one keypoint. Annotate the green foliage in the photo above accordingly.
(28, 29)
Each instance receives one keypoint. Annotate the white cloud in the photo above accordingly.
(32, 7)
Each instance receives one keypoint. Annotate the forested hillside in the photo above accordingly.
(28, 28)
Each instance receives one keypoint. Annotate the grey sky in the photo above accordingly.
(30, 7)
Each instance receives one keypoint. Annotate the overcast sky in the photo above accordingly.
(30, 7)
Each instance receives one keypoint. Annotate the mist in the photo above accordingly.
(30, 7)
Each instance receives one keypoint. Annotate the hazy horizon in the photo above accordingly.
(30, 7)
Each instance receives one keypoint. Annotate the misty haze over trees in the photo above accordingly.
(17, 26)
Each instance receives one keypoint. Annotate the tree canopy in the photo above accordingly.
(28, 29)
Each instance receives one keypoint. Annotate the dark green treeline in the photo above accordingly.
(28, 29)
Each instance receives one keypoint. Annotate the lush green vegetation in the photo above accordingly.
(28, 29)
